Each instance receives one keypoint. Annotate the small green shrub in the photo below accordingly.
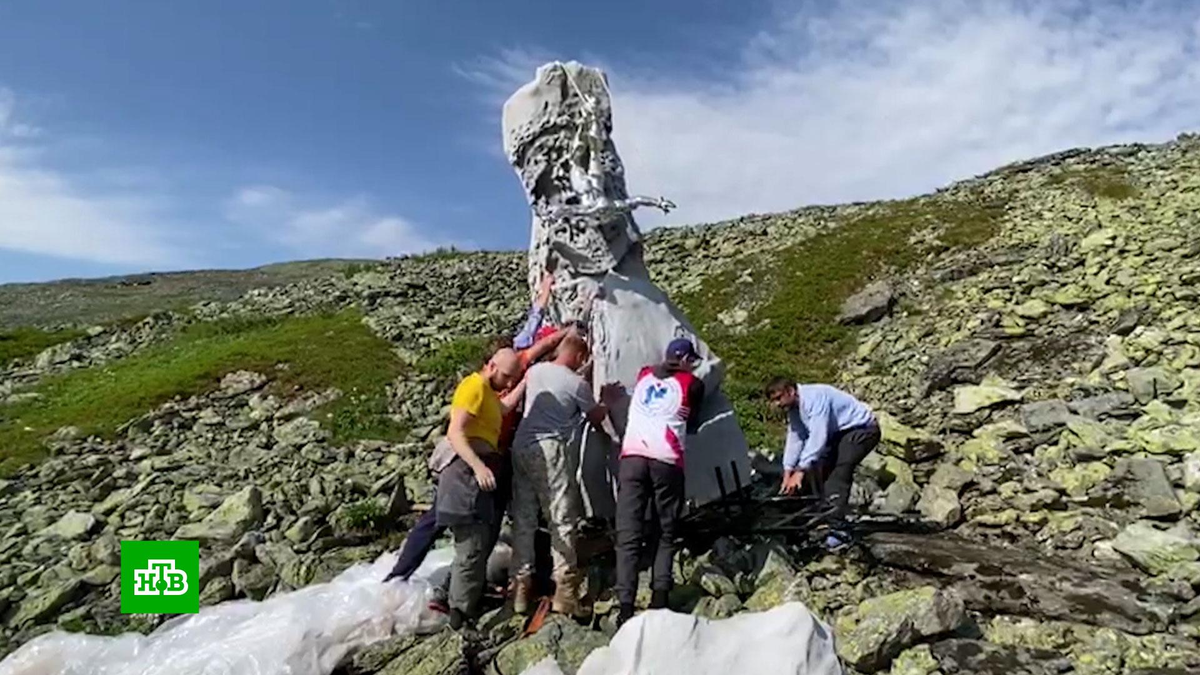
(363, 516)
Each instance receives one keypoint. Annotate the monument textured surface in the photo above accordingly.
(557, 135)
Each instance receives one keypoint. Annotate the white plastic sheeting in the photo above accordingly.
(305, 632)
(786, 640)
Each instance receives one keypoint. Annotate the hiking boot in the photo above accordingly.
(658, 599)
(624, 614)
(522, 593)
(566, 593)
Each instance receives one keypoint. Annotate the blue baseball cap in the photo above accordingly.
(680, 350)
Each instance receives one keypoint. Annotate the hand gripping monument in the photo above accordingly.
(557, 135)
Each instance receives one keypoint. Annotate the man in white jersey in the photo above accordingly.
(663, 410)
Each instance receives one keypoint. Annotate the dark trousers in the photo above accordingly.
(425, 532)
(640, 483)
(417, 545)
(846, 451)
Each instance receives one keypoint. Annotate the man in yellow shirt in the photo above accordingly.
(465, 503)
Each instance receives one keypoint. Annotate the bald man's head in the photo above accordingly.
(503, 370)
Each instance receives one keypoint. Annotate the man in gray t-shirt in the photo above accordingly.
(557, 398)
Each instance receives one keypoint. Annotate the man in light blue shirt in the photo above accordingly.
(829, 434)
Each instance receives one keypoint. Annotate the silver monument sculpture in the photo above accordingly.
(557, 135)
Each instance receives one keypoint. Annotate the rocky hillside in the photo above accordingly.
(1030, 337)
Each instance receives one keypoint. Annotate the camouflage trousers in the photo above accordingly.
(544, 482)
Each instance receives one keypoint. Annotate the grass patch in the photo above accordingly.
(1109, 182)
(456, 357)
(332, 350)
(23, 343)
(800, 291)
(349, 271)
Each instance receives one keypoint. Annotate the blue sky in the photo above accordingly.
(163, 135)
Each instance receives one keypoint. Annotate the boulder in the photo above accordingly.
(241, 382)
(718, 608)
(951, 476)
(72, 525)
(1025, 581)
(940, 505)
(216, 591)
(1032, 309)
(298, 432)
(237, 514)
(46, 603)
(900, 440)
(882, 627)
(559, 638)
(1126, 321)
(439, 654)
(1191, 472)
(1145, 482)
(900, 496)
(1147, 384)
(1042, 416)
(1115, 403)
(914, 661)
(870, 304)
(1154, 550)
(976, 657)
(253, 580)
(106, 549)
(959, 363)
(302, 530)
(991, 392)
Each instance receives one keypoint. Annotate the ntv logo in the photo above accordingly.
(159, 578)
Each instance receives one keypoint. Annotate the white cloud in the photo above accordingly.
(874, 100)
(43, 211)
(348, 228)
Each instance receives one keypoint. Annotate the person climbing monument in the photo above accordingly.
(829, 433)
(663, 411)
(464, 500)
(557, 398)
(533, 329)
(425, 533)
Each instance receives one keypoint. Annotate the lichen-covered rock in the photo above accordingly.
(46, 602)
(440, 654)
(1145, 482)
(1079, 479)
(72, 525)
(560, 638)
(1044, 415)
(870, 304)
(991, 392)
(1146, 384)
(882, 627)
(940, 505)
(915, 661)
(298, 432)
(1154, 550)
(236, 515)
(975, 657)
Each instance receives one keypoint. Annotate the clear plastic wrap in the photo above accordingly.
(305, 632)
